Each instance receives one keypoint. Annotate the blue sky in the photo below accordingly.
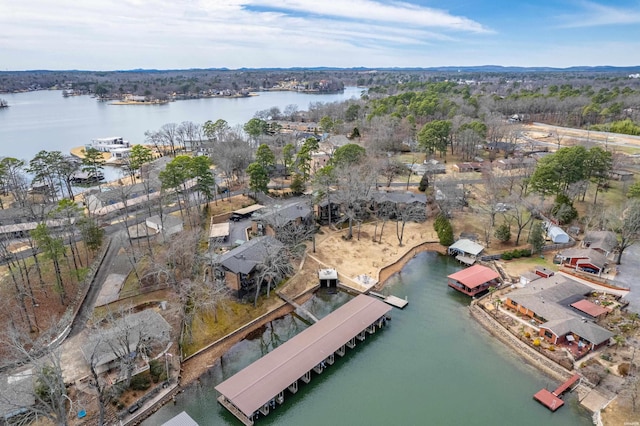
(127, 34)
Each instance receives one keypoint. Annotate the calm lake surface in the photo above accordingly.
(46, 120)
(432, 365)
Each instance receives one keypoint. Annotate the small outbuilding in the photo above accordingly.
(167, 225)
(218, 232)
(328, 278)
(557, 235)
(465, 251)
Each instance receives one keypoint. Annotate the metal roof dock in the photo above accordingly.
(257, 388)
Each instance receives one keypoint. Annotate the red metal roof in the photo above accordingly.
(258, 383)
(590, 308)
(475, 276)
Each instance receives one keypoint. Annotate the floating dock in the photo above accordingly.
(391, 300)
(255, 390)
(552, 400)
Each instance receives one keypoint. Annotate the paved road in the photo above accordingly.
(86, 310)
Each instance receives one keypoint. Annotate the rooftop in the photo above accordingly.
(467, 246)
(244, 258)
(475, 276)
(261, 381)
(590, 308)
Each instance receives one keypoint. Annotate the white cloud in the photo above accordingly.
(595, 14)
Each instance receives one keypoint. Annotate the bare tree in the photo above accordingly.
(625, 220)
(414, 212)
(273, 268)
(355, 182)
(36, 387)
(519, 214)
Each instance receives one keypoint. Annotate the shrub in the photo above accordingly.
(536, 342)
(140, 382)
(156, 369)
(623, 369)
(552, 348)
(503, 233)
(527, 335)
(506, 255)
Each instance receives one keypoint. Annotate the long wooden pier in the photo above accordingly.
(260, 387)
(552, 400)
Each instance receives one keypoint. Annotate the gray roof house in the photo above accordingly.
(603, 241)
(146, 328)
(16, 393)
(549, 300)
(238, 266)
(277, 217)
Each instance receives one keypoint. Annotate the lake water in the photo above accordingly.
(46, 120)
(432, 365)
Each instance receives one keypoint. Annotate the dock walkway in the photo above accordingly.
(298, 308)
(552, 400)
(391, 300)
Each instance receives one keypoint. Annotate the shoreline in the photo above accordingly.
(198, 365)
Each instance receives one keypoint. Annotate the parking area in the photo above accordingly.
(628, 273)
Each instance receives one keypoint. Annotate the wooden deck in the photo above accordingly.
(391, 300)
(552, 400)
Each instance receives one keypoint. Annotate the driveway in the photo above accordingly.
(628, 273)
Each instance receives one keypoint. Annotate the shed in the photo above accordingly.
(328, 278)
(528, 277)
(465, 250)
(557, 235)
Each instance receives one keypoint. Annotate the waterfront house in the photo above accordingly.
(238, 267)
(474, 280)
(277, 218)
(142, 332)
(109, 144)
(557, 306)
(326, 210)
(390, 202)
(465, 251)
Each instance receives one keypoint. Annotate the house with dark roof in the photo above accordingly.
(474, 280)
(238, 267)
(275, 218)
(603, 241)
(557, 306)
(327, 211)
(390, 201)
(145, 331)
(586, 260)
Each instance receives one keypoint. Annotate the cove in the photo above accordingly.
(432, 365)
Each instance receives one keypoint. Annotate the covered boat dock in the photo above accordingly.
(256, 389)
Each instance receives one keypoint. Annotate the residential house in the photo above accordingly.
(109, 144)
(389, 202)
(116, 195)
(603, 241)
(325, 210)
(474, 280)
(238, 267)
(587, 260)
(514, 163)
(467, 167)
(554, 305)
(273, 219)
(17, 393)
(465, 250)
(167, 224)
(145, 331)
(622, 175)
